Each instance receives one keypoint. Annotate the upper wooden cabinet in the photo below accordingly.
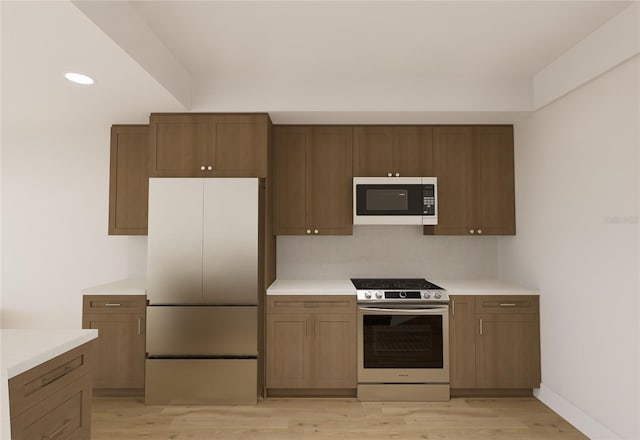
(312, 180)
(404, 151)
(208, 145)
(474, 166)
(129, 180)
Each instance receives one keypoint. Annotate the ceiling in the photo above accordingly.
(226, 48)
(371, 38)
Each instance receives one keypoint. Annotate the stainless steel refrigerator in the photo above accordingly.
(202, 289)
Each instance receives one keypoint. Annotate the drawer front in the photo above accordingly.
(65, 415)
(507, 304)
(48, 378)
(311, 304)
(114, 303)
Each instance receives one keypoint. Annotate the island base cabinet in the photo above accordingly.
(53, 400)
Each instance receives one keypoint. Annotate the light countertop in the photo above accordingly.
(129, 286)
(24, 349)
(345, 287)
(311, 287)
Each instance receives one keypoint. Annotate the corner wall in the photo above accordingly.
(577, 193)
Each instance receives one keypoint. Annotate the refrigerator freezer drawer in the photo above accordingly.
(201, 382)
(185, 331)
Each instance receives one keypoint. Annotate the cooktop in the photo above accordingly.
(393, 284)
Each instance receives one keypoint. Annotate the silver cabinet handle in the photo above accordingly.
(453, 307)
(471, 231)
(315, 231)
(112, 305)
(55, 433)
(139, 326)
(479, 231)
(308, 231)
(507, 305)
(481, 327)
(389, 174)
(202, 168)
(210, 168)
(397, 174)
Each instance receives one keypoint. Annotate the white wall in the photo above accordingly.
(379, 251)
(577, 193)
(55, 192)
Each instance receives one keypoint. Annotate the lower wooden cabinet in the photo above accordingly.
(494, 342)
(53, 400)
(120, 348)
(311, 345)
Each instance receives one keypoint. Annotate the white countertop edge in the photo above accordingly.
(311, 287)
(127, 286)
(52, 343)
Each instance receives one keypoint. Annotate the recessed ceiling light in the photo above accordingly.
(78, 78)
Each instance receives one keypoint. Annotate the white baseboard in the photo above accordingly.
(574, 415)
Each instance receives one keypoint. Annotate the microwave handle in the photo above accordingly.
(421, 311)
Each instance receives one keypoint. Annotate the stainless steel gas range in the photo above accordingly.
(403, 340)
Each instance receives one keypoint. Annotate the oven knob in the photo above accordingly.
(438, 295)
(367, 295)
(426, 295)
(379, 295)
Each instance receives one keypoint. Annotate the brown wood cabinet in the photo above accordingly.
(208, 145)
(120, 348)
(392, 151)
(474, 166)
(53, 399)
(494, 343)
(313, 180)
(311, 345)
(129, 180)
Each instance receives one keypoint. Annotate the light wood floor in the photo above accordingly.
(284, 419)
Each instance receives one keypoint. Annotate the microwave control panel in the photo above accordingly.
(428, 199)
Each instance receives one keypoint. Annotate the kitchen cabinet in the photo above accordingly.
(129, 180)
(504, 351)
(208, 145)
(313, 180)
(392, 151)
(311, 345)
(476, 192)
(53, 399)
(120, 348)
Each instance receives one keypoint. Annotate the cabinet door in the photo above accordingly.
(119, 351)
(288, 350)
(493, 189)
(240, 147)
(335, 362)
(462, 341)
(129, 180)
(411, 153)
(329, 183)
(370, 150)
(507, 351)
(180, 145)
(289, 155)
(452, 166)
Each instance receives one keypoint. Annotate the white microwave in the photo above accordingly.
(395, 201)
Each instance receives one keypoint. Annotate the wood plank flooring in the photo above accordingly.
(285, 419)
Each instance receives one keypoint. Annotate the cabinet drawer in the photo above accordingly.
(311, 304)
(40, 382)
(114, 303)
(507, 304)
(65, 415)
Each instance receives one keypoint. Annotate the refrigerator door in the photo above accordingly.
(230, 250)
(202, 331)
(174, 261)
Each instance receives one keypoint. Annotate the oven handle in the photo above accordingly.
(419, 311)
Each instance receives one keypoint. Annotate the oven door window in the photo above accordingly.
(402, 341)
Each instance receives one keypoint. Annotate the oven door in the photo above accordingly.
(403, 344)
